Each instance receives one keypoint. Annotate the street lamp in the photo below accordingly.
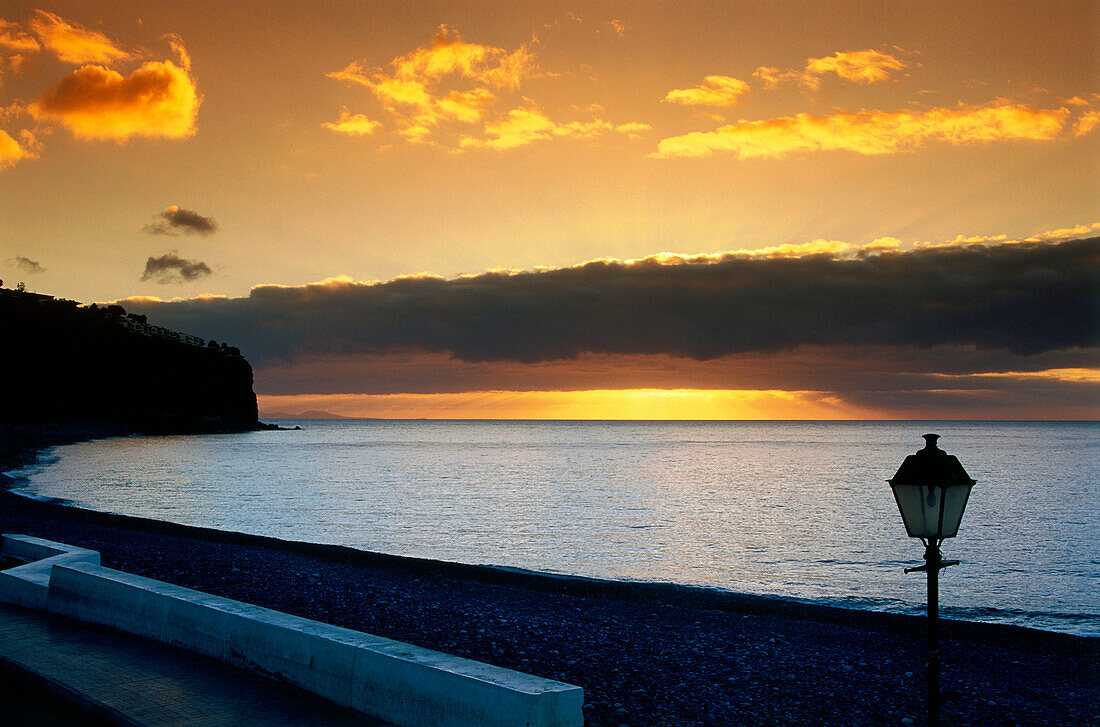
(931, 489)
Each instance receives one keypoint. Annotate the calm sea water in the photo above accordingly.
(792, 509)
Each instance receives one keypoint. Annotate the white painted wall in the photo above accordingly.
(397, 682)
(28, 585)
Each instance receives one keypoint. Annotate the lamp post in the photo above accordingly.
(931, 489)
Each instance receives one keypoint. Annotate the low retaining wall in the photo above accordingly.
(397, 682)
(28, 585)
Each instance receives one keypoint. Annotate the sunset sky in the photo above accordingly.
(590, 210)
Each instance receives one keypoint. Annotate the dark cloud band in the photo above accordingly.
(1021, 298)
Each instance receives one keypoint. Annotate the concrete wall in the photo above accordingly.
(398, 682)
(28, 585)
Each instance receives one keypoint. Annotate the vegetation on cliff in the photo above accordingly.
(70, 365)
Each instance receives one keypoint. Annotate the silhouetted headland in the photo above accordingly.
(74, 372)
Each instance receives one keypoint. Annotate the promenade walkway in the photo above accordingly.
(126, 680)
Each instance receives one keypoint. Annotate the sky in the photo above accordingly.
(727, 210)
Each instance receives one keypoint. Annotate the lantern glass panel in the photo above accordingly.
(921, 518)
(954, 502)
(921, 506)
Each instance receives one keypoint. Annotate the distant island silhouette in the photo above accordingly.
(308, 414)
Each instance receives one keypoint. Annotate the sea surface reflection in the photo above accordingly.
(794, 509)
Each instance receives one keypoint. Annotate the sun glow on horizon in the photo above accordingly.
(597, 404)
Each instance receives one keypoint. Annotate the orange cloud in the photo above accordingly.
(831, 248)
(411, 91)
(15, 45)
(525, 126)
(880, 245)
(420, 92)
(73, 43)
(715, 91)
(13, 39)
(773, 78)
(157, 100)
(11, 153)
(354, 72)
(1061, 233)
(1073, 375)
(521, 126)
(448, 54)
(870, 132)
(352, 124)
(860, 66)
(1086, 123)
(1064, 232)
(964, 241)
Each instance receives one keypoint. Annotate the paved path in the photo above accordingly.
(134, 681)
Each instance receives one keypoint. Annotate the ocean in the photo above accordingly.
(798, 510)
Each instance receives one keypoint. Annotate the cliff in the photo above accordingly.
(68, 365)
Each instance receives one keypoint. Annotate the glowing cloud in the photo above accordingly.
(15, 46)
(880, 245)
(1064, 232)
(773, 78)
(13, 39)
(411, 90)
(452, 81)
(448, 54)
(352, 124)
(156, 100)
(75, 44)
(11, 153)
(1086, 123)
(870, 132)
(715, 91)
(861, 66)
(525, 126)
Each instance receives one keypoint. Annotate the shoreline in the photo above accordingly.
(685, 595)
(647, 654)
(23, 445)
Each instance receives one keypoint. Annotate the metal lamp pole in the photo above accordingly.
(931, 489)
(933, 564)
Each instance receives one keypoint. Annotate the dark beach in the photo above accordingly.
(645, 655)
